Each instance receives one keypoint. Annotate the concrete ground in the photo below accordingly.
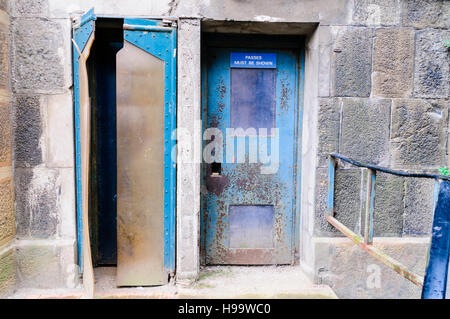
(223, 282)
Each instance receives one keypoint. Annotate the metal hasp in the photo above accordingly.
(435, 284)
(437, 270)
(146, 92)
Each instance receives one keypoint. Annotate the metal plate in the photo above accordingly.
(140, 167)
(253, 98)
(251, 226)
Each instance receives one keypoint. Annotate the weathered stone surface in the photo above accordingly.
(418, 219)
(432, 70)
(347, 201)
(27, 130)
(352, 273)
(37, 193)
(38, 266)
(7, 272)
(5, 134)
(426, 13)
(7, 225)
(4, 58)
(4, 5)
(37, 55)
(188, 189)
(365, 130)
(352, 58)
(389, 205)
(59, 133)
(376, 12)
(393, 62)
(419, 132)
(328, 129)
(29, 8)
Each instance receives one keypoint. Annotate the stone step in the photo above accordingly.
(221, 282)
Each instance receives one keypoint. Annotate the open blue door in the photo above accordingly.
(146, 117)
(83, 37)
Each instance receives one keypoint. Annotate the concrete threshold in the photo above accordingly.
(221, 282)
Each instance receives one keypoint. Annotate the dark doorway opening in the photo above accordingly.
(103, 162)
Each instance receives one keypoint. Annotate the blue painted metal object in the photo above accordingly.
(162, 44)
(253, 60)
(80, 35)
(370, 204)
(330, 194)
(435, 284)
(240, 182)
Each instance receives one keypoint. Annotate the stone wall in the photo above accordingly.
(41, 82)
(7, 223)
(377, 89)
(388, 105)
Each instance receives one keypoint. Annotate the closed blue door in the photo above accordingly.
(251, 99)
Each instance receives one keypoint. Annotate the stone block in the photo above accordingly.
(426, 13)
(376, 12)
(7, 271)
(389, 205)
(59, 131)
(347, 201)
(4, 57)
(4, 5)
(328, 129)
(38, 55)
(324, 68)
(419, 203)
(365, 130)
(27, 130)
(66, 203)
(29, 8)
(38, 266)
(419, 133)
(37, 192)
(352, 60)
(393, 62)
(432, 69)
(7, 225)
(5, 134)
(354, 274)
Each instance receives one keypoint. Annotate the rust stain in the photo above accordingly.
(285, 93)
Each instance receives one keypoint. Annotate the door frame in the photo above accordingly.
(80, 35)
(267, 42)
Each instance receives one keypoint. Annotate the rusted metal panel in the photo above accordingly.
(370, 202)
(242, 182)
(140, 167)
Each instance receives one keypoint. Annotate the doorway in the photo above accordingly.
(250, 124)
(125, 97)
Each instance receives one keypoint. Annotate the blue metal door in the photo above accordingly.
(252, 102)
(146, 117)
